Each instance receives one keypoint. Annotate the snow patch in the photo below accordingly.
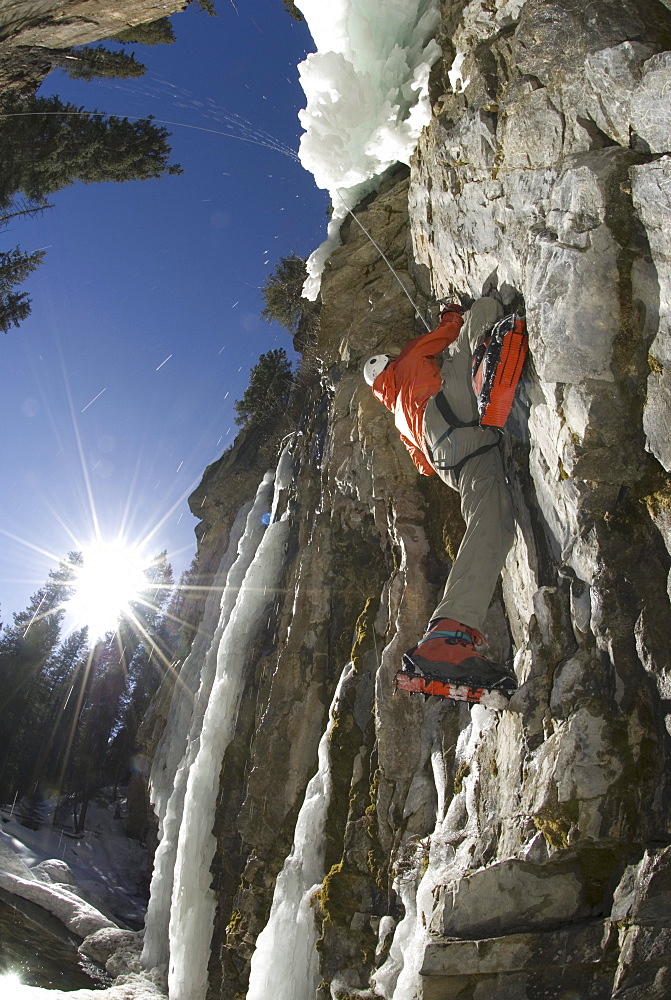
(77, 915)
(128, 988)
(455, 74)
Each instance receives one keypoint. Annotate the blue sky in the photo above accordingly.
(119, 388)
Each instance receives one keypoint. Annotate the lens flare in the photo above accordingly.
(109, 579)
(11, 987)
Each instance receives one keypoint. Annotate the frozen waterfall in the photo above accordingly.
(179, 743)
(285, 962)
(182, 903)
(367, 92)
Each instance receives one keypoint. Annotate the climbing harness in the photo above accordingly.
(453, 421)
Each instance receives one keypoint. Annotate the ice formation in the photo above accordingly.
(182, 899)
(397, 978)
(180, 741)
(367, 98)
(285, 962)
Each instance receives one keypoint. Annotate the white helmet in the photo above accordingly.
(374, 366)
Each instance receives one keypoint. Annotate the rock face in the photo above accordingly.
(31, 29)
(521, 854)
(61, 23)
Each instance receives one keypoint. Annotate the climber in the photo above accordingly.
(436, 412)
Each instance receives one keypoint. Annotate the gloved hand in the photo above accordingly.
(451, 308)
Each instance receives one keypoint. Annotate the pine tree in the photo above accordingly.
(207, 6)
(25, 648)
(147, 646)
(179, 627)
(20, 207)
(283, 295)
(15, 266)
(283, 292)
(90, 62)
(292, 10)
(268, 392)
(64, 673)
(46, 145)
(95, 725)
(113, 692)
(72, 713)
(159, 32)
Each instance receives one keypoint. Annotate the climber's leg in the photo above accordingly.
(487, 509)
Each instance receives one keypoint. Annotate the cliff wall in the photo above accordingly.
(472, 854)
(29, 29)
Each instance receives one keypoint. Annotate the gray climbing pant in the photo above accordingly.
(486, 504)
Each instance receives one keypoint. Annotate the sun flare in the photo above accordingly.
(111, 577)
(11, 986)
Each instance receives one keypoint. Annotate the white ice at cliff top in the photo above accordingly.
(367, 98)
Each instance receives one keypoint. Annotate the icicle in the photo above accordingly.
(193, 902)
(397, 978)
(284, 965)
(170, 767)
(177, 754)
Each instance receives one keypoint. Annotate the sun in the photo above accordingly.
(111, 576)
(12, 987)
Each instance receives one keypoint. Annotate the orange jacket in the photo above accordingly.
(408, 383)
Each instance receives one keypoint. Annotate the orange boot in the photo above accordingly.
(447, 654)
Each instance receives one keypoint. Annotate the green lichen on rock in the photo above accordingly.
(556, 821)
(659, 497)
(362, 630)
(656, 367)
(463, 771)
(235, 923)
(443, 523)
(376, 858)
(338, 892)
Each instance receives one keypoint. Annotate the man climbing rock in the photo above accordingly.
(436, 413)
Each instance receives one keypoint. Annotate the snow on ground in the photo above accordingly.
(367, 98)
(131, 987)
(88, 883)
(108, 867)
(59, 900)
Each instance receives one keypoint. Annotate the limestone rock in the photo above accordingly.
(62, 23)
(522, 965)
(509, 896)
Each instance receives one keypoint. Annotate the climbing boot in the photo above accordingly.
(446, 663)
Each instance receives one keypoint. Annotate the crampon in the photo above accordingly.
(451, 691)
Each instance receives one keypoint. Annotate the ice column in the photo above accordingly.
(193, 902)
(398, 977)
(284, 965)
(179, 742)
